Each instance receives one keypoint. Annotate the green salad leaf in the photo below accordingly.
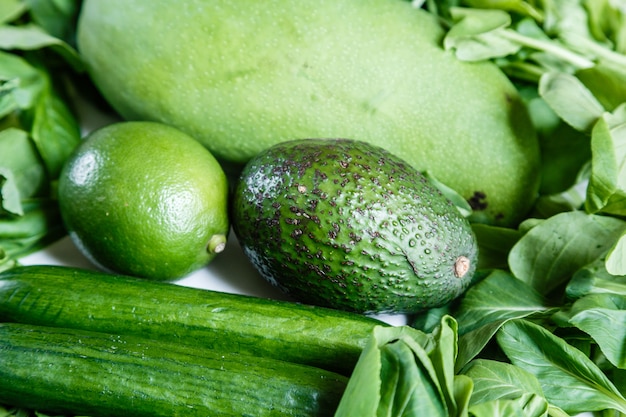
(594, 278)
(502, 389)
(568, 377)
(38, 125)
(549, 254)
(607, 185)
(405, 372)
(603, 317)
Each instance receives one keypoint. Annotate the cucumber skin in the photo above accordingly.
(60, 296)
(88, 373)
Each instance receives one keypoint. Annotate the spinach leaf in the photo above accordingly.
(616, 258)
(11, 9)
(54, 129)
(58, 17)
(37, 227)
(595, 279)
(603, 317)
(31, 36)
(38, 127)
(606, 82)
(570, 99)
(607, 186)
(21, 159)
(403, 371)
(499, 296)
(552, 251)
(494, 244)
(488, 305)
(568, 378)
(502, 386)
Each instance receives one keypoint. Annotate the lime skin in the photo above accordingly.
(145, 199)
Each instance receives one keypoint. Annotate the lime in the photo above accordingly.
(145, 199)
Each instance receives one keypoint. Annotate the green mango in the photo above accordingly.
(241, 76)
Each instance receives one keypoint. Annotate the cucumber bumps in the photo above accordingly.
(242, 76)
(345, 224)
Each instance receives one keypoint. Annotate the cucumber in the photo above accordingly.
(79, 372)
(69, 297)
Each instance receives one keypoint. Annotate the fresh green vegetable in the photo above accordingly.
(80, 372)
(404, 371)
(38, 127)
(81, 299)
(346, 224)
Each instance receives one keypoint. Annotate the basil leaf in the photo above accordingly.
(603, 317)
(457, 199)
(568, 378)
(552, 251)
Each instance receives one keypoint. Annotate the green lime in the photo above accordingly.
(145, 199)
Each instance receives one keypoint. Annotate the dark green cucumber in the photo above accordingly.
(88, 373)
(82, 299)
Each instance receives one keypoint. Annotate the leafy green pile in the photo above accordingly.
(407, 372)
(543, 330)
(38, 126)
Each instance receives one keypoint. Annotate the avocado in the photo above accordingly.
(345, 224)
(240, 76)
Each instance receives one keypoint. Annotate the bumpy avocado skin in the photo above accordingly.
(347, 225)
(240, 76)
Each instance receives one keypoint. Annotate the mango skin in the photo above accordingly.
(242, 76)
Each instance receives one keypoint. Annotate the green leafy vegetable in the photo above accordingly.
(38, 127)
(549, 254)
(403, 371)
(607, 185)
(503, 389)
(595, 279)
(488, 305)
(568, 378)
(603, 317)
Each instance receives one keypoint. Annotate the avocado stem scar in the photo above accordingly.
(461, 266)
